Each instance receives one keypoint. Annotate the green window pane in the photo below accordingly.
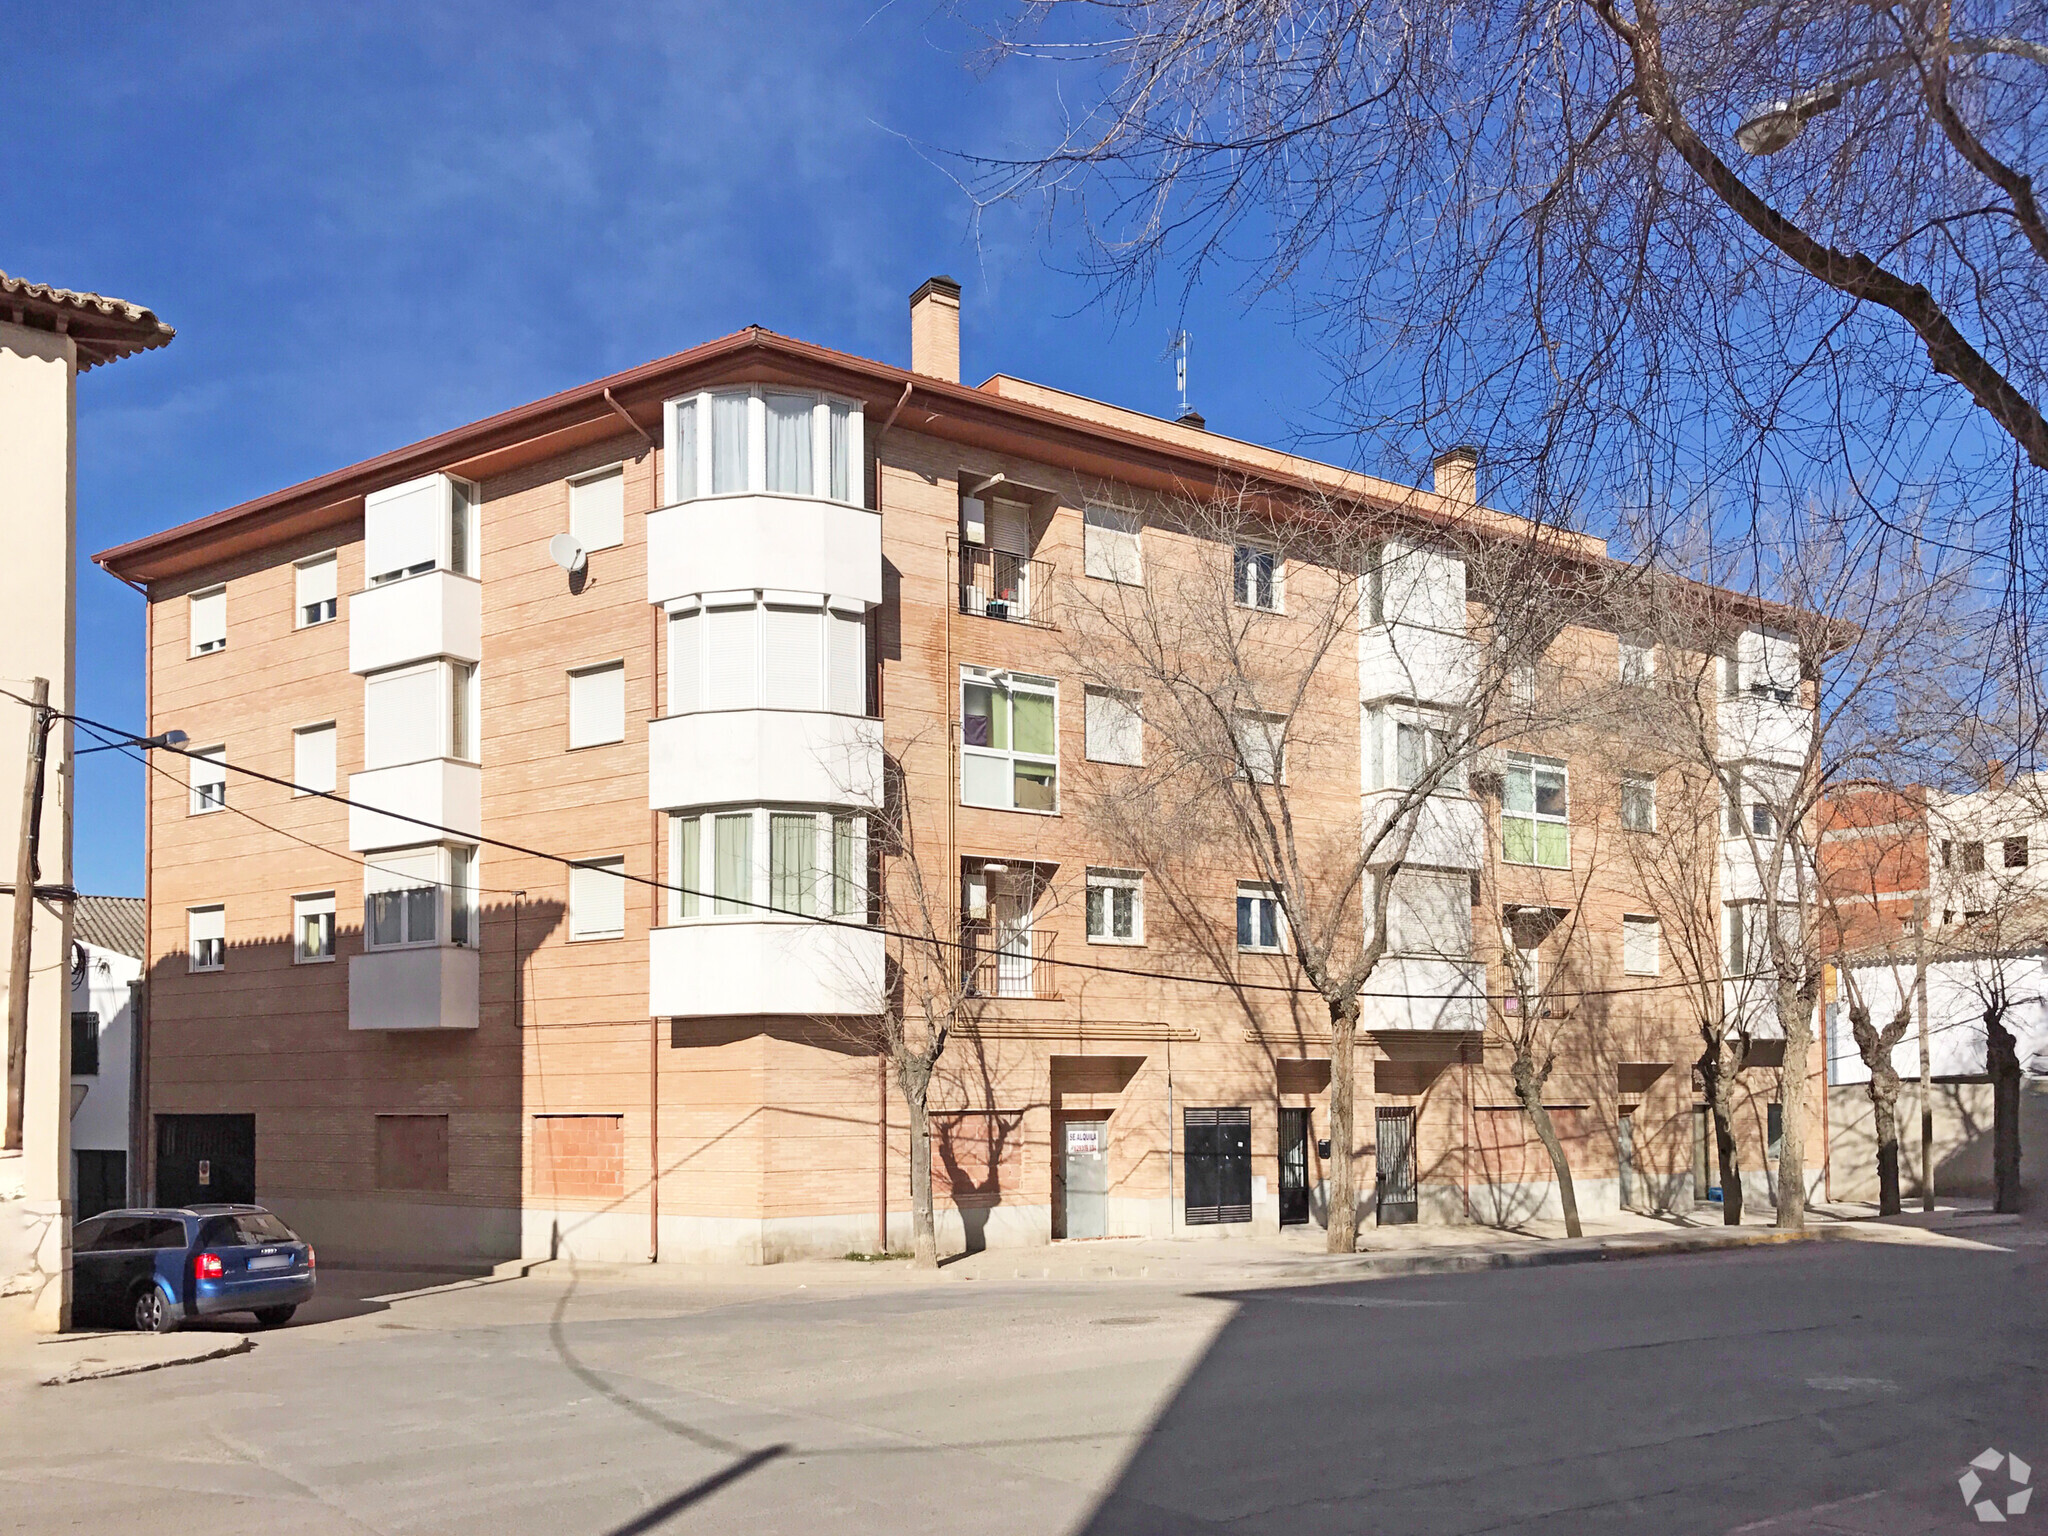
(846, 881)
(732, 864)
(1553, 844)
(689, 870)
(793, 864)
(1033, 715)
(1036, 787)
(1517, 840)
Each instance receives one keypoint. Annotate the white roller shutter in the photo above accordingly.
(597, 510)
(731, 645)
(402, 717)
(313, 758)
(1110, 548)
(1423, 587)
(209, 620)
(402, 527)
(597, 705)
(597, 899)
(685, 662)
(1114, 734)
(796, 658)
(847, 682)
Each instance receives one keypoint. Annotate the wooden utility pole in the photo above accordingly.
(1926, 1076)
(25, 908)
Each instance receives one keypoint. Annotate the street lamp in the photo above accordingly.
(171, 739)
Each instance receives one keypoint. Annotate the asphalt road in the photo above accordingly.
(1818, 1387)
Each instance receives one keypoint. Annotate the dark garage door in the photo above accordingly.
(205, 1159)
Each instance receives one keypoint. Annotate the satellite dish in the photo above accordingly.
(566, 550)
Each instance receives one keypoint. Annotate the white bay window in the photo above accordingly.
(420, 896)
(761, 862)
(414, 713)
(760, 438)
(784, 652)
(420, 526)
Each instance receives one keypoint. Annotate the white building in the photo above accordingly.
(106, 968)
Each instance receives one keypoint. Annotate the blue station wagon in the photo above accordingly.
(154, 1269)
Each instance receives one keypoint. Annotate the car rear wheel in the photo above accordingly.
(275, 1317)
(152, 1312)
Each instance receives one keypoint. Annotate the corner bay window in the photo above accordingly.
(416, 896)
(420, 526)
(1009, 741)
(1535, 824)
(762, 439)
(756, 862)
(414, 713)
(750, 654)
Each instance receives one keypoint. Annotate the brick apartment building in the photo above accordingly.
(407, 1026)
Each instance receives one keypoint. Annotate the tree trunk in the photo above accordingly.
(915, 1077)
(1529, 1093)
(1717, 1068)
(1884, 1114)
(1343, 1233)
(2003, 1061)
(1795, 1013)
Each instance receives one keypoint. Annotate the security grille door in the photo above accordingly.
(1086, 1174)
(101, 1184)
(1625, 1159)
(1293, 1167)
(1219, 1165)
(205, 1159)
(1395, 1185)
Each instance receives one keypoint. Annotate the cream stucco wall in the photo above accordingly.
(38, 594)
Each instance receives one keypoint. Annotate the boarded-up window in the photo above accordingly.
(579, 1157)
(978, 1156)
(412, 1152)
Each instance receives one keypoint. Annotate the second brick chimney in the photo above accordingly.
(935, 329)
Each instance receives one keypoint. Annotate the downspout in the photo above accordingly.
(654, 917)
(881, 1060)
(142, 1158)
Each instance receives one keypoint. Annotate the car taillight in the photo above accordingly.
(207, 1266)
(309, 1256)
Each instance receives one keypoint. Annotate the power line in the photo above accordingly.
(105, 731)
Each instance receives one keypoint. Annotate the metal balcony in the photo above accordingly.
(1009, 963)
(996, 584)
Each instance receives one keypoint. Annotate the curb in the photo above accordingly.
(100, 1370)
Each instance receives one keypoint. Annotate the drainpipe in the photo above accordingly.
(654, 917)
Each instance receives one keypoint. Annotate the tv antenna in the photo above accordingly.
(1177, 349)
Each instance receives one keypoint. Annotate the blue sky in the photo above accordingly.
(372, 223)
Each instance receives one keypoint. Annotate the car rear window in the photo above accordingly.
(164, 1232)
(244, 1231)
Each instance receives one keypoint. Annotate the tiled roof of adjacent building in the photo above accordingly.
(104, 328)
(110, 922)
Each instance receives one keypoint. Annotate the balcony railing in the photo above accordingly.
(1008, 962)
(999, 585)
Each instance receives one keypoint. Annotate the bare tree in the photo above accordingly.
(1634, 248)
(1875, 1044)
(1250, 703)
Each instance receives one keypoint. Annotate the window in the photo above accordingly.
(1535, 812)
(1260, 925)
(1261, 745)
(772, 655)
(1638, 663)
(402, 716)
(206, 941)
(1948, 853)
(1255, 578)
(209, 621)
(313, 759)
(85, 1045)
(597, 704)
(1009, 741)
(403, 902)
(1739, 924)
(816, 865)
(315, 583)
(732, 865)
(597, 509)
(1113, 730)
(209, 779)
(462, 711)
(763, 439)
(1638, 802)
(1522, 685)
(1732, 804)
(597, 899)
(1421, 750)
(1116, 906)
(1641, 946)
(1973, 858)
(1109, 545)
(793, 863)
(416, 527)
(2015, 849)
(313, 928)
(1763, 821)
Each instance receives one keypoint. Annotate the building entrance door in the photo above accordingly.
(1394, 1186)
(1625, 1159)
(1218, 1168)
(205, 1160)
(1087, 1177)
(1293, 1167)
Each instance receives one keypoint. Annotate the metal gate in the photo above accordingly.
(205, 1160)
(1293, 1167)
(1394, 1185)
(1085, 1176)
(1219, 1165)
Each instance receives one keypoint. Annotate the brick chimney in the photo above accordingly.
(935, 329)
(1457, 474)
